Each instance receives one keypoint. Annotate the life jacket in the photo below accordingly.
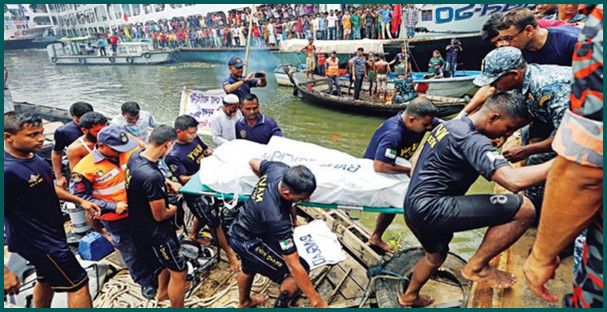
(332, 67)
(107, 179)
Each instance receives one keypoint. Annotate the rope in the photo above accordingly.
(122, 292)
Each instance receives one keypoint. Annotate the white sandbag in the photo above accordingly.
(317, 244)
(340, 177)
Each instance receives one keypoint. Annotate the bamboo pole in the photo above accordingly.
(246, 58)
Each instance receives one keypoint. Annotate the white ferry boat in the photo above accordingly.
(27, 25)
(73, 52)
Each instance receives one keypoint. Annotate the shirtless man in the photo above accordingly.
(309, 50)
(371, 72)
(382, 68)
(90, 124)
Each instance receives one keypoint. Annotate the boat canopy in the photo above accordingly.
(340, 46)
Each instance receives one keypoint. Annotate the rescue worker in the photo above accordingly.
(32, 217)
(546, 89)
(262, 236)
(64, 136)
(150, 212)
(392, 144)
(99, 177)
(435, 206)
(184, 162)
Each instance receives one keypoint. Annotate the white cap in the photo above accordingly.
(231, 99)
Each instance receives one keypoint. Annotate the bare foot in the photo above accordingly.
(162, 297)
(254, 300)
(381, 244)
(416, 302)
(495, 278)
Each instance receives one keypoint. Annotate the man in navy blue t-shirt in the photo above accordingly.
(255, 126)
(239, 85)
(184, 162)
(393, 144)
(64, 136)
(32, 216)
(453, 157)
(150, 213)
(261, 233)
(554, 45)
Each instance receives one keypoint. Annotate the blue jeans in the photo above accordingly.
(410, 32)
(331, 33)
(334, 81)
(358, 84)
(140, 262)
(355, 33)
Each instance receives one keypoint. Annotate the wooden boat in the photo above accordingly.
(72, 52)
(316, 92)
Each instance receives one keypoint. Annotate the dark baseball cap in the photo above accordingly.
(236, 62)
(117, 138)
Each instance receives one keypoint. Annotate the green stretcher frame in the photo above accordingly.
(194, 187)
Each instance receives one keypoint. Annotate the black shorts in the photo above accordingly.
(206, 213)
(257, 256)
(60, 270)
(433, 221)
(168, 255)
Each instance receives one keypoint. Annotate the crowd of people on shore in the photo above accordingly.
(546, 81)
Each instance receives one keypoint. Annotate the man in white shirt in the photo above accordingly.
(316, 25)
(331, 25)
(223, 121)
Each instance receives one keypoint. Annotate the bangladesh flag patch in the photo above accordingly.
(287, 244)
(390, 153)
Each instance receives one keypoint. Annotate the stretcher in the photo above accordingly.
(194, 187)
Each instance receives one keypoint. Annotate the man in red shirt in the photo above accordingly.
(114, 43)
(321, 60)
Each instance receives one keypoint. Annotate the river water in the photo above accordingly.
(33, 78)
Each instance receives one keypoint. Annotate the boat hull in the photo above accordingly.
(446, 106)
(460, 85)
(20, 44)
(154, 58)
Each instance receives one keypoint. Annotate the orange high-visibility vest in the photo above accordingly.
(332, 67)
(107, 179)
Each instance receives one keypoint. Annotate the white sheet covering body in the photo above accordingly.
(341, 178)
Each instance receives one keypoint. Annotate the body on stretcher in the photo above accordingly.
(194, 187)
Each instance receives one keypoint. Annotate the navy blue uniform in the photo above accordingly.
(244, 89)
(392, 139)
(261, 233)
(65, 135)
(145, 183)
(558, 49)
(34, 224)
(184, 159)
(261, 132)
(452, 159)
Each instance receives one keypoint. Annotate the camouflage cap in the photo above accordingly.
(498, 63)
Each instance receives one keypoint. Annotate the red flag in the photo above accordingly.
(396, 18)
(124, 17)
